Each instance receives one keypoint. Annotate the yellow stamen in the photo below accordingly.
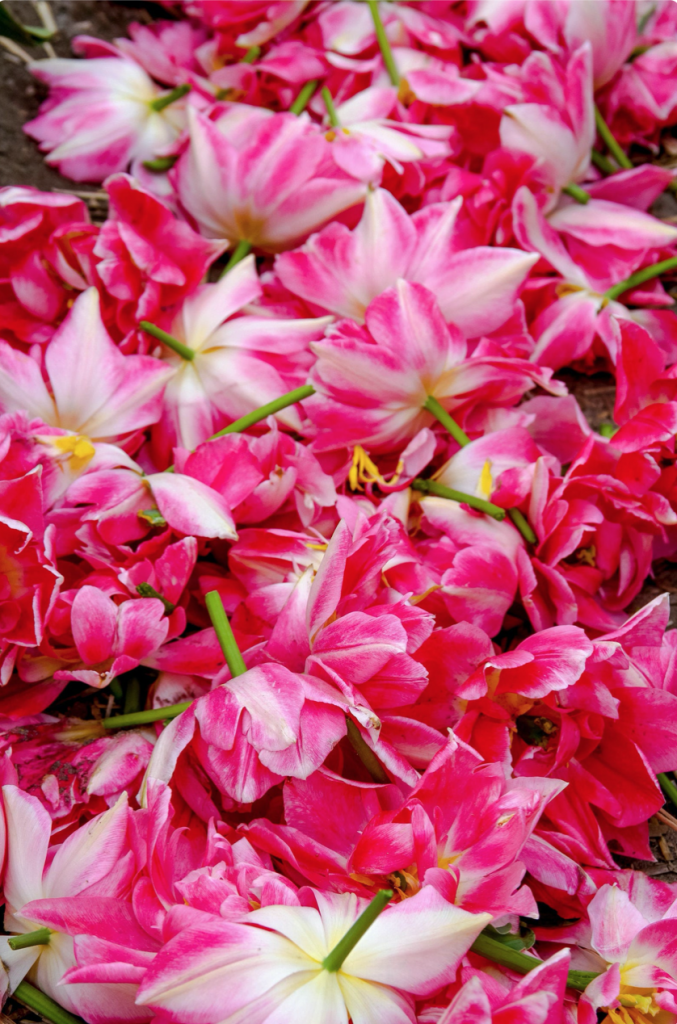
(635, 1008)
(486, 484)
(404, 93)
(330, 136)
(364, 471)
(586, 555)
(80, 448)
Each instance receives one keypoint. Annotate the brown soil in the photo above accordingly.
(20, 161)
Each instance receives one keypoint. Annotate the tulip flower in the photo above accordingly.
(266, 181)
(104, 113)
(385, 373)
(95, 860)
(344, 271)
(96, 393)
(312, 961)
(225, 365)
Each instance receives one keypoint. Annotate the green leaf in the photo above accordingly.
(18, 33)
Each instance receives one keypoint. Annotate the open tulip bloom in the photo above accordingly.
(336, 677)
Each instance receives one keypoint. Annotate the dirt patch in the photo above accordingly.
(21, 163)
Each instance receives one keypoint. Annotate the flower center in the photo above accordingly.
(635, 1008)
(77, 447)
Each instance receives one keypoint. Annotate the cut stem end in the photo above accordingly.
(40, 937)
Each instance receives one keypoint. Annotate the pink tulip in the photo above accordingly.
(71, 768)
(636, 953)
(283, 474)
(268, 180)
(546, 132)
(100, 118)
(46, 244)
(413, 949)
(344, 271)
(95, 861)
(239, 362)
(250, 732)
(111, 638)
(366, 137)
(538, 998)
(378, 374)
(148, 260)
(461, 829)
(96, 392)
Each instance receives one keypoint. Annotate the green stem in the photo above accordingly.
(42, 1004)
(132, 697)
(242, 249)
(291, 397)
(640, 276)
(251, 55)
(224, 633)
(441, 414)
(146, 590)
(167, 339)
(577, 193)
(522, 524)
(40, 937)
(171, 97)
(611, 144)
(303, 98)
(161, 163)
(384, 45)
(522, 963)
(115, 687)
(145, 717)
(602, 162)
(334, 960)
(668, 787)
(365, 753)
(331, 109)
(432, 487)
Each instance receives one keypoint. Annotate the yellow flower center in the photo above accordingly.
(78, 447)
(636, 1007)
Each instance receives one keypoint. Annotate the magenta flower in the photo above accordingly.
(373, 381)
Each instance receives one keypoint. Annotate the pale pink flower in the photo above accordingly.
(95, 860)
(270, 968)
(95, 392)
(239, 362)
(99, 117)
(268, 179)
